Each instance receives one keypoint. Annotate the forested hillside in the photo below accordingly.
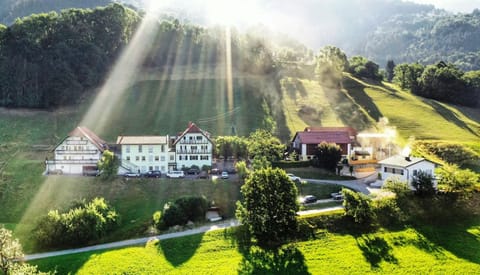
(428, 38)
(13, 9)
(49, 60)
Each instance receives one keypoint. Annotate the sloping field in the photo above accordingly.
(161, 107)
(360, 104)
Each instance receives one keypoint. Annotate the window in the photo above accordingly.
(127, 158)
(199, 137)
(150, 158)
(143, 158)
(171, 158)
(415, 172)
(203, 157)
(163, 158)
(150, 168)
(163, 168)
(162, 148)
(156, 158)
(150, 149)
(179, 157)
(137, 158)
(140, 148)
(156, 168)
(193, 157)
(127, 149)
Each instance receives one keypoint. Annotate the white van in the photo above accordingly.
(175, 174)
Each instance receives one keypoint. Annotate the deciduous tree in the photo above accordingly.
(269, 206)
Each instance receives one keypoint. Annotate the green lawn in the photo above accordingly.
(165, 107)
(453, 249)
(361, 104)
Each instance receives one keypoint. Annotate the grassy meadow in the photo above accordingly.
(452, 249)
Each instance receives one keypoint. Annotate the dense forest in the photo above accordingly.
(50, 60)
(13, 9)
(53, 59)
(428, 38)
(47, 60)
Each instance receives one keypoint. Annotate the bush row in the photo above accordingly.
(83, 223)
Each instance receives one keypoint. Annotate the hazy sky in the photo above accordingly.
(453, 5)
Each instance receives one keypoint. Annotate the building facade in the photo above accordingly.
(193, 147)
(305, 143)
(143, 153)
(77, 154)
(405, 168)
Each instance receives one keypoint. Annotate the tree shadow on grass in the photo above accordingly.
(449, 115)
(179, 250)
(454, 238)
(375, 250)
(278, 260)
(286, 260)
(357, 92)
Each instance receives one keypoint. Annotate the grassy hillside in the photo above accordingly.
(165, 107)
(453, 249)
(360, 104)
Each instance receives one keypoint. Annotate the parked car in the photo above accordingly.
(224, 175)
(131, 175)
(203, 175)
(294, 178)
(309, 199)
(193, 171)
(175, 174)
(337, 196)
(153, 174)
(215, 171)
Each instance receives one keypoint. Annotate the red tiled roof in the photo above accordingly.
(338, 137)
(192, 128)
(82, 131)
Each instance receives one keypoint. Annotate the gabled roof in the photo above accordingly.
(142, 140)
(193, 129)
(84, 132)
(402, 161)
(317, 137)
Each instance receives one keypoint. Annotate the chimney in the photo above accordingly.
(407, 158)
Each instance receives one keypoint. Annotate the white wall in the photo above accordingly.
(73, 154)
(190, 150)
(149, 157)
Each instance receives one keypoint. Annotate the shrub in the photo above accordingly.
(448, 152)
(395, 185)
(387, 212)
(184, 209)
(82, 224)
(358, 206)
(452, 179)
(423, 184)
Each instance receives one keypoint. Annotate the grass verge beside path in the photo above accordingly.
(403, 251)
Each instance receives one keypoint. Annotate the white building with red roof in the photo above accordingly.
(77, 154)
(193, 147)
(305, 143)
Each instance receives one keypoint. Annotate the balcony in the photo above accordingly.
(196, 152)
(78, 152)
(193, 141)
